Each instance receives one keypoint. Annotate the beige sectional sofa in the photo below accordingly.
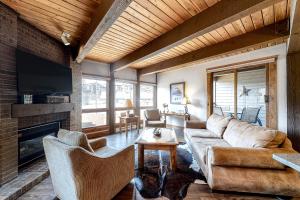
(237, 156)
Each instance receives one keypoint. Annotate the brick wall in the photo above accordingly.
(16, 33)
(38, 43)
(8, 95)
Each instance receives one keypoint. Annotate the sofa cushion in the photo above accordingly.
(74, 138)
(217, 124)
(190, 133)
(200, 146)
(246, 157)
(243, 134)
(152, 115)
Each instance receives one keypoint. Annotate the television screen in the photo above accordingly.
(38, 76)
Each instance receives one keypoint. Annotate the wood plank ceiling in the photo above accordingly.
(144, 20)
(140, 23)
(56, 16)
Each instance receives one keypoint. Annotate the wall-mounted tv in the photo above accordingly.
(38, 76)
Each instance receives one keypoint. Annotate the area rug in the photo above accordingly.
(156, 179)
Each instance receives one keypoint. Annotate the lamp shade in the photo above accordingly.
(186, 100)
(128, 103)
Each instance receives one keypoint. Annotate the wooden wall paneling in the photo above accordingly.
(293, 98)
(209, 94)
(293, 74)
(272, 92)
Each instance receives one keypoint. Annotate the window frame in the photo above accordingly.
(98, 110)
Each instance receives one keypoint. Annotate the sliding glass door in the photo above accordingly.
(251, 93)
(224, 93)
(242, 93)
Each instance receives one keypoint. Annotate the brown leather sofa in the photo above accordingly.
(237, 156)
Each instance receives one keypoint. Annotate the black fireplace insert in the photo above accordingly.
(31, 141)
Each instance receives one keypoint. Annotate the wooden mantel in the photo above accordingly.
(26, 110)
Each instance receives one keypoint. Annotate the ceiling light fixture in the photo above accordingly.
(64, 37)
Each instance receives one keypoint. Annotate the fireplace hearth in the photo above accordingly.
(31, 141)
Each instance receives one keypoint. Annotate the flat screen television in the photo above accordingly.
(38, 76)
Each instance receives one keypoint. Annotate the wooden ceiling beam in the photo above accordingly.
(105, 15)
(219, 15)
(262, 36)
(294, 40)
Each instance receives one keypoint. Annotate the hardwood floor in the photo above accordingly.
(44, 190)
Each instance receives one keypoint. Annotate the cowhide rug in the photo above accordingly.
(156, 179)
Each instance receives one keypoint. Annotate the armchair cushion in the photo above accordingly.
(152, 115)
(243, 134)
(245, 157)
(74, 138)
(156, 124)
(217, 124)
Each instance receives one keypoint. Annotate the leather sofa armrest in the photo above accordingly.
(195, 124)
(98, 143)
(245, 157)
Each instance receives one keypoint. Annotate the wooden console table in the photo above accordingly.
(129, 120)
(180, 115)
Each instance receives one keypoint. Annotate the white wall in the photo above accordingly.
(151, 78)
(127, 74)
(103, 69)
(196, 80)
(95, 68)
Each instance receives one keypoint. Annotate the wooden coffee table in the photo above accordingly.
(167, 141)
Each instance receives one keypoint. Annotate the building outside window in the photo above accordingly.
(146, 98)
(94, 102)
(146, 95)
(123, 91)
